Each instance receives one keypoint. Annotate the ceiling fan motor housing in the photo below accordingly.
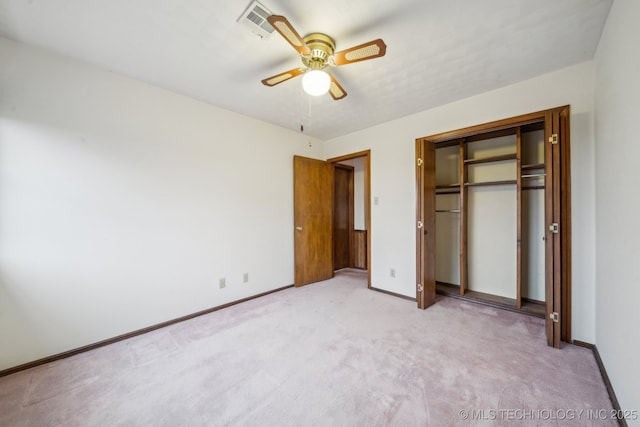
(322, 47)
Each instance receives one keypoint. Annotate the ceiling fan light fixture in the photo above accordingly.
(316, 82)
(317, 51)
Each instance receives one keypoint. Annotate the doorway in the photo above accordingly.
(314, 214)
(352, 218)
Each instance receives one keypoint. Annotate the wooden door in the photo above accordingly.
(557, 219)
(564, 286)
(313, 217)
(426, 223)
(343, 256)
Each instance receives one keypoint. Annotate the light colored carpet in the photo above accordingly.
(328, 354)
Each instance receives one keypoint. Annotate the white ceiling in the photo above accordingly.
(438, 51)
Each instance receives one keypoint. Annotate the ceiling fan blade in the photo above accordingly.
(336, 91)
(282, 77)
(373, 49)
(284, 27)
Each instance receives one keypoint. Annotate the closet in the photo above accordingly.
(493, 217)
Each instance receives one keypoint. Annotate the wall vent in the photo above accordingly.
(255, 18)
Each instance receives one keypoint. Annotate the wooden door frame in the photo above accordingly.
(560, 117)
(366, 154)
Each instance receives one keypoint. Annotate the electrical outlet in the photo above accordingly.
(223, 283)
(245, 277)
(392, 272)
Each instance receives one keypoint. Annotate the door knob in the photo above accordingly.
(298, 228)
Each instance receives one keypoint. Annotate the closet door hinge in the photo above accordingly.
(420, 288)
(553, 138)
(555, 317)
(554, 228)
(419, 161)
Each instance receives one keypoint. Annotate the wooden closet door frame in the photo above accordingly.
(425, 224)
(565, 212)
(556, 122)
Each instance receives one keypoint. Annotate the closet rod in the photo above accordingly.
(448, 210)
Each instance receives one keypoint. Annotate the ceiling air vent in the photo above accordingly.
(255, 18)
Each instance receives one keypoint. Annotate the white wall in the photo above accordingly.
(392, 147)
(359, 220)
(447, 225)
(533, 221)
(492, 219)
(617, 203)
(121, 204)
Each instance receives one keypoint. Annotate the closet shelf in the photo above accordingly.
(489, 183)
(491, 159)
(448, 189)
(533, 166)
(534, 175)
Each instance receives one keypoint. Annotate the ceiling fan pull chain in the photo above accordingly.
(301, 110)
(308, 98)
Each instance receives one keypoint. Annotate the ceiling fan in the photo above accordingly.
(317, 52)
